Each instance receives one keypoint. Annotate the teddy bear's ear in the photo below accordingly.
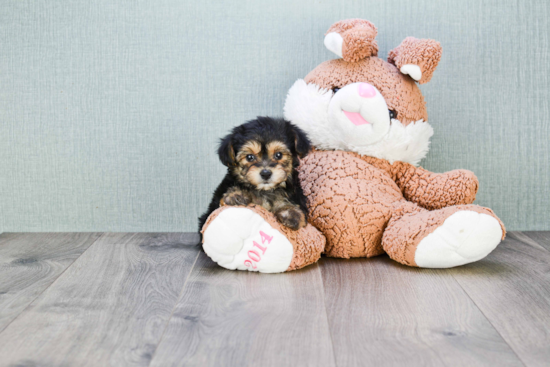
(417, 58)
(352, 39)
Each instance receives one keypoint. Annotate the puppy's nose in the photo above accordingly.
(265, 174)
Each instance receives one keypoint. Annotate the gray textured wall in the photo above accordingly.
(110, 111)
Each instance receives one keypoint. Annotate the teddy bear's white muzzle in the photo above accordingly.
(359, 114)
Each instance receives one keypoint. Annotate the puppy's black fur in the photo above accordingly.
(240, 186)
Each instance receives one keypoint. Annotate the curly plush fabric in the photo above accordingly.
(400, 91)
(354, 200)
(358, 38)
(410, 224)
(435, 190)
(424, 53)
(308, 243)
(349, 201)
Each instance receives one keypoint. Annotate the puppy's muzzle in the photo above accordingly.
(265, 174)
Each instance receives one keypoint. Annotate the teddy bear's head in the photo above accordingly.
(362, 103)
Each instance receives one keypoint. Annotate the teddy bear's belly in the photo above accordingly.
(349, 200)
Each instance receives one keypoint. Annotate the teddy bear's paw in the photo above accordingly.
(464, 237)
(239, 238)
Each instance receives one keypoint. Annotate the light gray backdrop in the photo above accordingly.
(110, 111)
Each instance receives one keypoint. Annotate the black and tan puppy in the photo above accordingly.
(261, 158)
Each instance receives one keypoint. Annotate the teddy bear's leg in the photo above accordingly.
(442, 238)
(250, 238)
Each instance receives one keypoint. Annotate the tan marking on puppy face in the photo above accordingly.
(253, 175)
(283, 167)
(278, 176)
(275, 147)
(251, 147)
(280, 167)
(243, 165)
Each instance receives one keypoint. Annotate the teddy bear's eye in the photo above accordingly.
(335, 89)
(393, 114)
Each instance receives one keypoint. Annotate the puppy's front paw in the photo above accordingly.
(293, 218)
(234, 198)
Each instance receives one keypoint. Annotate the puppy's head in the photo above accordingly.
(262, 153)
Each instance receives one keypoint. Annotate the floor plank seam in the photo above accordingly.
(326, 313)
(174, 308)
(489, 321)
(528, 240)
(52, 283)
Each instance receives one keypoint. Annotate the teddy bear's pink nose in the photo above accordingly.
(366, 90)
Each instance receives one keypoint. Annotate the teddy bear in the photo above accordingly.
(366, 194)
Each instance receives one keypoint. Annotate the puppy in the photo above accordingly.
(261, 158)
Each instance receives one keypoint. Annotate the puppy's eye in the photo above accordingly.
(250, 157)
(335, 89)
(278, 155)
(393, 114)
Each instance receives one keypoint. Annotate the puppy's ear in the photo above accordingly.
(226, 151)
(301, 141)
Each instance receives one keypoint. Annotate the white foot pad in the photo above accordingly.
(241, 239)
(464, 237)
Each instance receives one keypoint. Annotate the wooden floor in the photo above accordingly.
(121, 299)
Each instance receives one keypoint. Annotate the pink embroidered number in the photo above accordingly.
(253, 255)
(249, 263)
(265, 238)
(256, 256)
(259, 246)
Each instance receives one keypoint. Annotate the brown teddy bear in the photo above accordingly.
(368, 122)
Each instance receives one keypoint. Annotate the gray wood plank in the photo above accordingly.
(235, 318)
(191, 239)
(542, 238)
(108, 309)
(30, 262)
(384, 314)
(512, 288)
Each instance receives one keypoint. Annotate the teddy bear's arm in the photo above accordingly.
(435, 190)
